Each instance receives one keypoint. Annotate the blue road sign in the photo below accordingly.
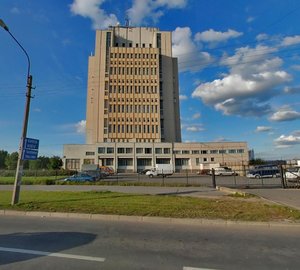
(29, 154)
(32, 144)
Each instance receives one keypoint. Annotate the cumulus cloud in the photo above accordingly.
(292, 90)
(252, 81)
(144, 9)
(289, 41)
(262, 36)
(215, 36)
(263, 129)
(183, 97)
(91, 9)
(197, 116)
(80, 126)
(194, 128)
(284, 141)
(183, 47)
(285, 114)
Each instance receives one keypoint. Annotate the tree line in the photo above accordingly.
(8, 161)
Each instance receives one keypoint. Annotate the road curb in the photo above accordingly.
(148, 219)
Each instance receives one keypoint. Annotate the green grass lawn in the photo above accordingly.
(30, 180)
(146, 205)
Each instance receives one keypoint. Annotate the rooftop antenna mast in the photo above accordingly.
(127, 22)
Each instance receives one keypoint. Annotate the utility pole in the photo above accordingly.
(19, 171)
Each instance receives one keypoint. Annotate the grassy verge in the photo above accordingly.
(146, 205)
(52, 180)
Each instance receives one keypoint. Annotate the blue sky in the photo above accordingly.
(239, 65)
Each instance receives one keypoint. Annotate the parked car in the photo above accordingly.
(80, 177)
(264, 171)
(144, 171)
(292, 173)
(222, 171)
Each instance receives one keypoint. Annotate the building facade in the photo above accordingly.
(132, 115)
(132, 91)
(134, 157)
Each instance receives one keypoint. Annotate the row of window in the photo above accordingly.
(131, 100)
(136, 89)
(134, 55)
(130, 45)
(131, 120)
(130, 81)
(133, 129)
(133, 108)
(133, 71)
(143, 62)
(121, 150)
(222, 151)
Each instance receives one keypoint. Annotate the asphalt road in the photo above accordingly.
(53, 243)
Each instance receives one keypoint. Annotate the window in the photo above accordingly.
(222, 151)
(121, 150)
(167, 150)
(195, 152)
(125, 161)
(148, 150)
(204, 152)
(232, 151)
(128, 150)
(182, 161)
(177, 152)
(214, 151)
(89, 153)
(110, 150)
(212, 159)
(197, 161)
(240, 151)
(101, 150)
(185, 151)
(158, 150)
(139, 150)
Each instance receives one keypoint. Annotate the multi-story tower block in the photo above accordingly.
(133, 91)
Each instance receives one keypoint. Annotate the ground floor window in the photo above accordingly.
(182, 161)
(73, 164)
(163, 161)
(144, 162)
(125, 162)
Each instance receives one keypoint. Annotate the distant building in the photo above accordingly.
(132, 115)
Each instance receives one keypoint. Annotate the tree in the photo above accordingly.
(11, 160)
(3, 155)
(55, 163)
(257, 161)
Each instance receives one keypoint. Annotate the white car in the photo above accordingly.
(293, 173)
(224, 171)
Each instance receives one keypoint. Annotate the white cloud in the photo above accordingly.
(183, 97)
(292, 90)
(250, 19)
(195, 128)
(215, 36)
(197, 116)
(261, 37)
(246, 90)
(144, 9)
(91, 9)
(289, 41)
(15, 10)
(263, 129)
(183, 47)
(80, 126)
(285, 114)
(287, 140)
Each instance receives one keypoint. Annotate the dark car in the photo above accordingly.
(80, 177)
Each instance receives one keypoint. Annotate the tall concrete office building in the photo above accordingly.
(133, 91)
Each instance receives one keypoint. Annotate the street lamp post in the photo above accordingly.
(19, 171)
